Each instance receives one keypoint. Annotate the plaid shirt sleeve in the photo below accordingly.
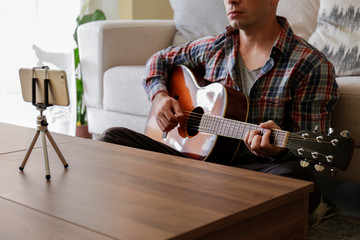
(315, 98)
(193, 55)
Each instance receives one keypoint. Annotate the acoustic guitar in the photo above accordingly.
(214, 124)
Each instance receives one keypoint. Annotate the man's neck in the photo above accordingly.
(256, 44)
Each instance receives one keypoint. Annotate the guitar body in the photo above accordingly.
(214, 99)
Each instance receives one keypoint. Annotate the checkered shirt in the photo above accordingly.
(296, 87)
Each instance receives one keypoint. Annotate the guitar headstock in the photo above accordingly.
(322, 150)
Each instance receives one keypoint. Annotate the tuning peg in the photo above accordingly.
(304, 163)
(315, 155)
(305, 135)
(329, 158)
(345, 134)
(333, 171)
(319, 167)
(330, 131)
(300, 151)
(319, 139)
(316, 129)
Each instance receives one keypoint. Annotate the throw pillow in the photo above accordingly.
(198, 18)
(301, 14)
(338, 35)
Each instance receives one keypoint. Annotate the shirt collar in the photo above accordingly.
(285, 39)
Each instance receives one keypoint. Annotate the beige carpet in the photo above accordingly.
(337, 228)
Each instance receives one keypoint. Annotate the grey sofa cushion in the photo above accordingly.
(302, 17)
(198, 18)
(122, 84)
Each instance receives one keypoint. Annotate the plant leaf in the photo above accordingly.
(96, 16)
(76, 57)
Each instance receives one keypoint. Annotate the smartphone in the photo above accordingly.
(57, 93)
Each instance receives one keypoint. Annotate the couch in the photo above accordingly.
(113, 55)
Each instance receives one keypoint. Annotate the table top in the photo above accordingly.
(116, 192)
(16, 138)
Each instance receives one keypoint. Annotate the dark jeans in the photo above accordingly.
(127, 137)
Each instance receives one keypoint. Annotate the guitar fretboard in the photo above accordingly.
(237, 129)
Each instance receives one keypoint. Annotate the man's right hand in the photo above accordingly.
(167, 111)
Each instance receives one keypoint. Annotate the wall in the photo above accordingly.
(109, 7)
(145, 9)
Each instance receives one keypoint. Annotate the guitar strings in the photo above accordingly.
(193, 123)
(290, 145)
(196, 117)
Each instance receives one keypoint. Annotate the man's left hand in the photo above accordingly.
(259, 144)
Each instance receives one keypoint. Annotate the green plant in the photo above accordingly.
(80, 106)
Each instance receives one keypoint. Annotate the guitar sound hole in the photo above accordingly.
(193, 122)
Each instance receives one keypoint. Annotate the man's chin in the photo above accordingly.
(241, 25)
(236, 25)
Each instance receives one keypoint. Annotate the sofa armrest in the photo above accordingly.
(345, 116)
(105, 44)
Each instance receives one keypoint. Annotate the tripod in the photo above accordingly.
(43, 130)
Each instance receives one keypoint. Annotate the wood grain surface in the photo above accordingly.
(16, 138)
(125, 193)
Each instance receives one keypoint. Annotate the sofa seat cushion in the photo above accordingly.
(119, 83)
(345, 116)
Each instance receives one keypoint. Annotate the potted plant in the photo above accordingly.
(81, 122)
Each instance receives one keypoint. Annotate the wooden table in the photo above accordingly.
(14, 138)
(115, 192)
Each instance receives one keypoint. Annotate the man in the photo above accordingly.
(290, 85)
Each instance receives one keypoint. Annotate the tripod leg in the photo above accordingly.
(28, 152)
(46, 158)
(53, 143)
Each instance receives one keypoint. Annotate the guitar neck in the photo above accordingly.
(237, 129)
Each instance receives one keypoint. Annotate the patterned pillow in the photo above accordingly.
(338, 35)
(198, 18)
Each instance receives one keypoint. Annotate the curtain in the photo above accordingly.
(37, 33)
